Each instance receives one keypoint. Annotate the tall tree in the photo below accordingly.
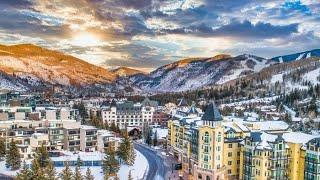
(37, 172)
(24, 173)
(2, 148)
(126, 150)
(51, 172)
(66, 173)
(42, 156)
(77, 174)
(110, 165)
(13, 156)
(155, 138)
(79, 162)
(130, 176)
(89, 175)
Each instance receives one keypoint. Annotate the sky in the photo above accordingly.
(146, 34)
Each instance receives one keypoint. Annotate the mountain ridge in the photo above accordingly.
(26, 65)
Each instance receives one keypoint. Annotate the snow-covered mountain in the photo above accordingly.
(297, 56)
(194, 73)
(29, 67)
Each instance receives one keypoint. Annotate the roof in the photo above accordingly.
(211, 113)
(315, 141)
(193, 109)
(298, 137)
(148, 102)
(263, 139)
(182, 102)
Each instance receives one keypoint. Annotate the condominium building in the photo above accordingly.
(88, 135)
(55, 128)
(211, 147)
(128, 114)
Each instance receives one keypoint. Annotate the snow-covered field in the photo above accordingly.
(138, 170)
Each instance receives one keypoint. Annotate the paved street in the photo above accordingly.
(158, 168)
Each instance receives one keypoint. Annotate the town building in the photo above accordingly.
(210, 146)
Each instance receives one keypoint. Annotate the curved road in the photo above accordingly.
(158, 168)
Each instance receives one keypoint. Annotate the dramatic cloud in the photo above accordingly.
(150, 33)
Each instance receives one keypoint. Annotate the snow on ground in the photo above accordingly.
(138, 170)
(4, 170)
(256, 100)
(312, 76)
(277, 78)
(300, 56)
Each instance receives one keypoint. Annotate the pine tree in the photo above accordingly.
(155, 138)
(66, 173)
(106, 125)
(42, 156)
(126, 150)
(89, 176)
(110, 164)
(113, 127)
(79, 162)
(77, 174)
(13, 156)
(50, 171)
(24, 173)
(2, 148)
(130, 176)
(36, 171)
(148, 137)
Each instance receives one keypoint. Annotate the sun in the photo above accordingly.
(85, 39)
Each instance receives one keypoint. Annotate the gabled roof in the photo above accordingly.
(211, 113)
(193, 109)
(315, 141)
(148, 102)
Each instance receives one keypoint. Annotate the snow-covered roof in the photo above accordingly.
(86, 127)
(263, 139)
(298, 137)
(161, 132)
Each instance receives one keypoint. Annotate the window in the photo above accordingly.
(229, 145)
(229, 154)
(206, 137)
(229, 171)
(229, 163)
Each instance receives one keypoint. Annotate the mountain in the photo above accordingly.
(125, 71)
(194, 73)
(32, 66)
(297, 56)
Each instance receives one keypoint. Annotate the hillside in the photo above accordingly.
(194, 73)
(125, 71)
(39, 65)
(298, 56)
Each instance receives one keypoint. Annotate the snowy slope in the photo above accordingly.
(297, 56)
(199, 72)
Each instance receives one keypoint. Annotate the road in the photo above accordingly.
(158, 168)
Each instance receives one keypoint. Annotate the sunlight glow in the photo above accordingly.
(85, 39)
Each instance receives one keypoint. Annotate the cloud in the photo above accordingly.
(151, 33)
(237, 29)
